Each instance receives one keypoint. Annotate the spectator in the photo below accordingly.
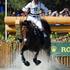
(65, 12)
(49, 12)
(13, 13)
(55, 13)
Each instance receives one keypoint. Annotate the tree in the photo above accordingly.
(51, 4)
(18, 4)
(2, 25)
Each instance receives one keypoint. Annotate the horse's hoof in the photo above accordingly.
(37, 62)
(27, 63)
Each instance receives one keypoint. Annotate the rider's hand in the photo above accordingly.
(42, 13)
(28, 12)
(24, 14)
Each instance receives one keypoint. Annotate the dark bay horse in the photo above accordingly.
(35, 40)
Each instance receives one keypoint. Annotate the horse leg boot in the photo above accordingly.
(23, 58)
(37, 62)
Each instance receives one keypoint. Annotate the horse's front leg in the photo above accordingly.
(37, 62)
(22, 55)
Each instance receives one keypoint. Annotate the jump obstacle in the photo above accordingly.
(64, 26)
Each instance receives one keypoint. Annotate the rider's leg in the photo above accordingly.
(38, 23)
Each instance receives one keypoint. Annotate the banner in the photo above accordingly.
(60, 49)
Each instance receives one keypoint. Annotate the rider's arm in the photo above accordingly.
(45, 9)
(26, 8)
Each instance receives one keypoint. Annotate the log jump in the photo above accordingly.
(10, 20)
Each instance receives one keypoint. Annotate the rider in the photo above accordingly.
(35, 9)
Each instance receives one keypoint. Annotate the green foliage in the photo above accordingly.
(2, 27)
(18, 4)
(51, 4)
(2, 22)
(11, 38)
(54, 35)
(1, 36)
(2, 17)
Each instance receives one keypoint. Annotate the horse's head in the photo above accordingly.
(25, 26)
(26, 29)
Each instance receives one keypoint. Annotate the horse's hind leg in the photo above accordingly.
(37, 62)
(22, 55)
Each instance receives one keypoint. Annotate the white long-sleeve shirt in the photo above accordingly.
(35, 8)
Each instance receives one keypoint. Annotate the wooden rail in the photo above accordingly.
(65, 60)
(53, 29)
(57, 20)
(10, 20)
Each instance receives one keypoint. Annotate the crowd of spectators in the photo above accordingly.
(63, 12)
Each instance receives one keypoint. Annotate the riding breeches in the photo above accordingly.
(36, 21)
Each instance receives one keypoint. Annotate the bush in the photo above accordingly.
(2, 25)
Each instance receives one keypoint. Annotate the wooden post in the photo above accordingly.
(5, 31)
(5, 16)
(18, 30)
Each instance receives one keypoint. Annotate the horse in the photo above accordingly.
(33, 39)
